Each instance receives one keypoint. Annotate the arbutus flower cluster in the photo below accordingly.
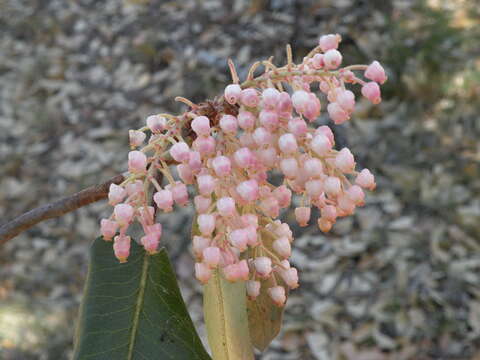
(228, 150)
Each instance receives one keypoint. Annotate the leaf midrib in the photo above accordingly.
(138, 306)
(222, 314)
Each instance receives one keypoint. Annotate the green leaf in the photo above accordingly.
(224, 305)
(134, 310)
(264, 317)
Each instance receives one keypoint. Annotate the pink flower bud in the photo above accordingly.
(329, 213)
(200, 243)
(321, 145)
(116, 194)
(244, 157)
(375, 72)
(206, 184)
(284, 103)
(270, 98)
(205, 145)
(202, 203)
(156, 123)
(313, 167)
(344, 161)
(268, 156)
(248, 190)
(262, 136)
(202, 272)
(137, 162)
(300, 99)
(232, 93)
(290, 276)
(282, 247)
(249, 97)
(312, 110)
(346, 99)
(338, 114)
(325, 130)
(246, 120)
(253, 289)
(211, 256)
(195, 161)
(269, 119)
(277, 293)
(356, 194)
(155, 229)
(284, 196)
(346, 205)
(332, 186)
(164, 200)
(226, 206)
(324, 225)
(330, 41)
(238, 239)
(136, 137)
(297, 126)
(150, 243)
(263, 266)
(123, 214)
(302, 215)
(180, 152)
(201, 125)
(317, 61)
(287, 143)
(229, 125)
(206, 224)
(179, 193)
(289, 167)
(371, 91)
(366, 180)
(332, 59)
(270, 207)
(314, 187)
(108, 229)
(251, 233)
(221, 165)
(121, 247)
(185, 173)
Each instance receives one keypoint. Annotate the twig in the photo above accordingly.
(55, 209)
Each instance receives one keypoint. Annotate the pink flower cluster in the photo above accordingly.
(229, 158)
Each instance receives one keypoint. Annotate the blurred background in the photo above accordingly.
(399, 280)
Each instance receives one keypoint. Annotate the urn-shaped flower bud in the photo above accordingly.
(330, 41)
(116, 194)
(253, 289)
(206, 224)
(277, 294)
(156, 123)
(226, 206)
(202, 272)
(345, 161)
(371, 91)
(332, 59)
(249, 97)
(282, 247)
(337, 113)
(287, 143)
(123, 214)
(248, 190)
(221, 165)
(108, 229)
(375, 72)
(137, 162)
(202, 203)
(150, 242)
(211, 256)
(200, 243)
(238, 238)
(206, 184)
(263, 266)
(366, 180)
(229, 124)
(201, 125)
(232, 93)
(321, 145)
(136, 137)
(290, 276)
(246, 120)
(302, 215)
(164, 200)
(180, 152)
(356, 194)
(332, 186)
(121, 247)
